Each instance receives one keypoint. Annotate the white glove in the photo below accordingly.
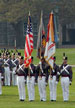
(46, 83)
(53, 70)
(58, 73)
(24, 80)
(14, 72)
(35, 84)
(70, 83)
(40, 63)
(56, 82)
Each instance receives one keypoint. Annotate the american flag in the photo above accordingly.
(28, 43)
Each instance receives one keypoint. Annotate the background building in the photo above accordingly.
(14, 14)
(9, 33)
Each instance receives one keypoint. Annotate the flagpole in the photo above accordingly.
(40, 52)
(41, 41)
(50, 73)
(15, 44)
(29, 64)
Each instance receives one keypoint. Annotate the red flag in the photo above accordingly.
(50, 45)
(29, 43)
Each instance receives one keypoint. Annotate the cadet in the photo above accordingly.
(53, 80)
(31, 81)
(2, 76)
(66, 78)
(1, 71)
(7, 68)
(15, 63)
(21, 79)
(41, 69)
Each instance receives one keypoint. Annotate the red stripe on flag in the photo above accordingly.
(28, 47)
(28, 44)
(51, 46)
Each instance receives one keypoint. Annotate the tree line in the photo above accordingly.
(16, 10)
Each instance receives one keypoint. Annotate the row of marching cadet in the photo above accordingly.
(14, 72)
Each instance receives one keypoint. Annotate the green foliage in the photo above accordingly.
(16, 10)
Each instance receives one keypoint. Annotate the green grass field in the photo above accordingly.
(10, 98)
(59, 54)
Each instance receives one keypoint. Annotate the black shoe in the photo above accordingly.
(21, 100)
(31, 100)
(66, 101)
(51, 100)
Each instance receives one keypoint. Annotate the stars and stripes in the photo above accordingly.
(29, 43)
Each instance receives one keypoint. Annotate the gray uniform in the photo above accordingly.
(15, 63)
(1, 71)
(66, 79)
(7, 68)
